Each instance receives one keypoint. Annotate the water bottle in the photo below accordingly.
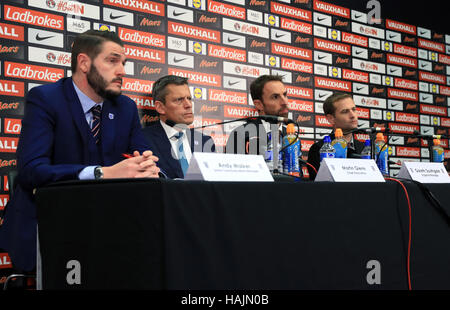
(291, 153)
(366, 151)
(269, 154)
(339, 144)
(381, 154)
(438, 151)
(327, 150)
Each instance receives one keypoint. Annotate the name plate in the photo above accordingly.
(424, 172)
(348, 170)
(228, 167)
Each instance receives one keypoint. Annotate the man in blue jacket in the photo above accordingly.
(170, 138)
(75, 128)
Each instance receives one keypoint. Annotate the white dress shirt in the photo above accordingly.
(171, 132)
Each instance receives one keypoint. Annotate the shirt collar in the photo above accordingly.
(86, 103)
(171, 131)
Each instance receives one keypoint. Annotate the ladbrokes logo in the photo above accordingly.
(12, 32)
(238, 112)
(139, 37)
(333, 84)
(12, 126)
(445, 122)
(32, 17)
(408, 151)
(332, 46)
(405, 50)
(141, 53)
(407, 117)
(363, 113)
(227, 53)
(354, 39)
(227, 96)
(301, 105)
(31, 72)
(355, 76)
(445, 90)
(402, 83)
(226, 9)
(296, 26)
(8, 145)
(296, 65)
(11, 88)
(194, 32)
(444, 59)
(137, 86)
(290, 11)
(287, 50)
(198, 77)
(138, 5)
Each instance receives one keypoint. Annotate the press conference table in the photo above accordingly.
(178, 235)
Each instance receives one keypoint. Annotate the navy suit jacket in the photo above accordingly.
(55, 144)
(161, 147)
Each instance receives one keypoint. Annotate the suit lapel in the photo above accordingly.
(77, 114)
(166, 149)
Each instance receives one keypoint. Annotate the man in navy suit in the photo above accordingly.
(76, 128)
(170, 138)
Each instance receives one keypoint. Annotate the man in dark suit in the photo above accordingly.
(170, 138)
(76, 128)
(269, 97)
(340, 111)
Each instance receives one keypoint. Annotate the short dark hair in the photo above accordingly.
(90, 43)
(159, 87)
(328, 105)
(257, 86)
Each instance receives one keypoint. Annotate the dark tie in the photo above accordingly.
(181, 155)
(97, 115)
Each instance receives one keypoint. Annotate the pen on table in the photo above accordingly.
(127, 155)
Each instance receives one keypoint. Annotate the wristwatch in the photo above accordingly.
(98, 173)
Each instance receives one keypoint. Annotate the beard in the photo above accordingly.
(99, 84)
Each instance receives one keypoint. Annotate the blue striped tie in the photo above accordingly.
(97, 115)
(181, 155)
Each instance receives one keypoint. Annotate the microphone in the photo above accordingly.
(273, 119)
(369, 130)
(417, 134)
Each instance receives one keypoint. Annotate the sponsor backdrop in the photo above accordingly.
(399, 73)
